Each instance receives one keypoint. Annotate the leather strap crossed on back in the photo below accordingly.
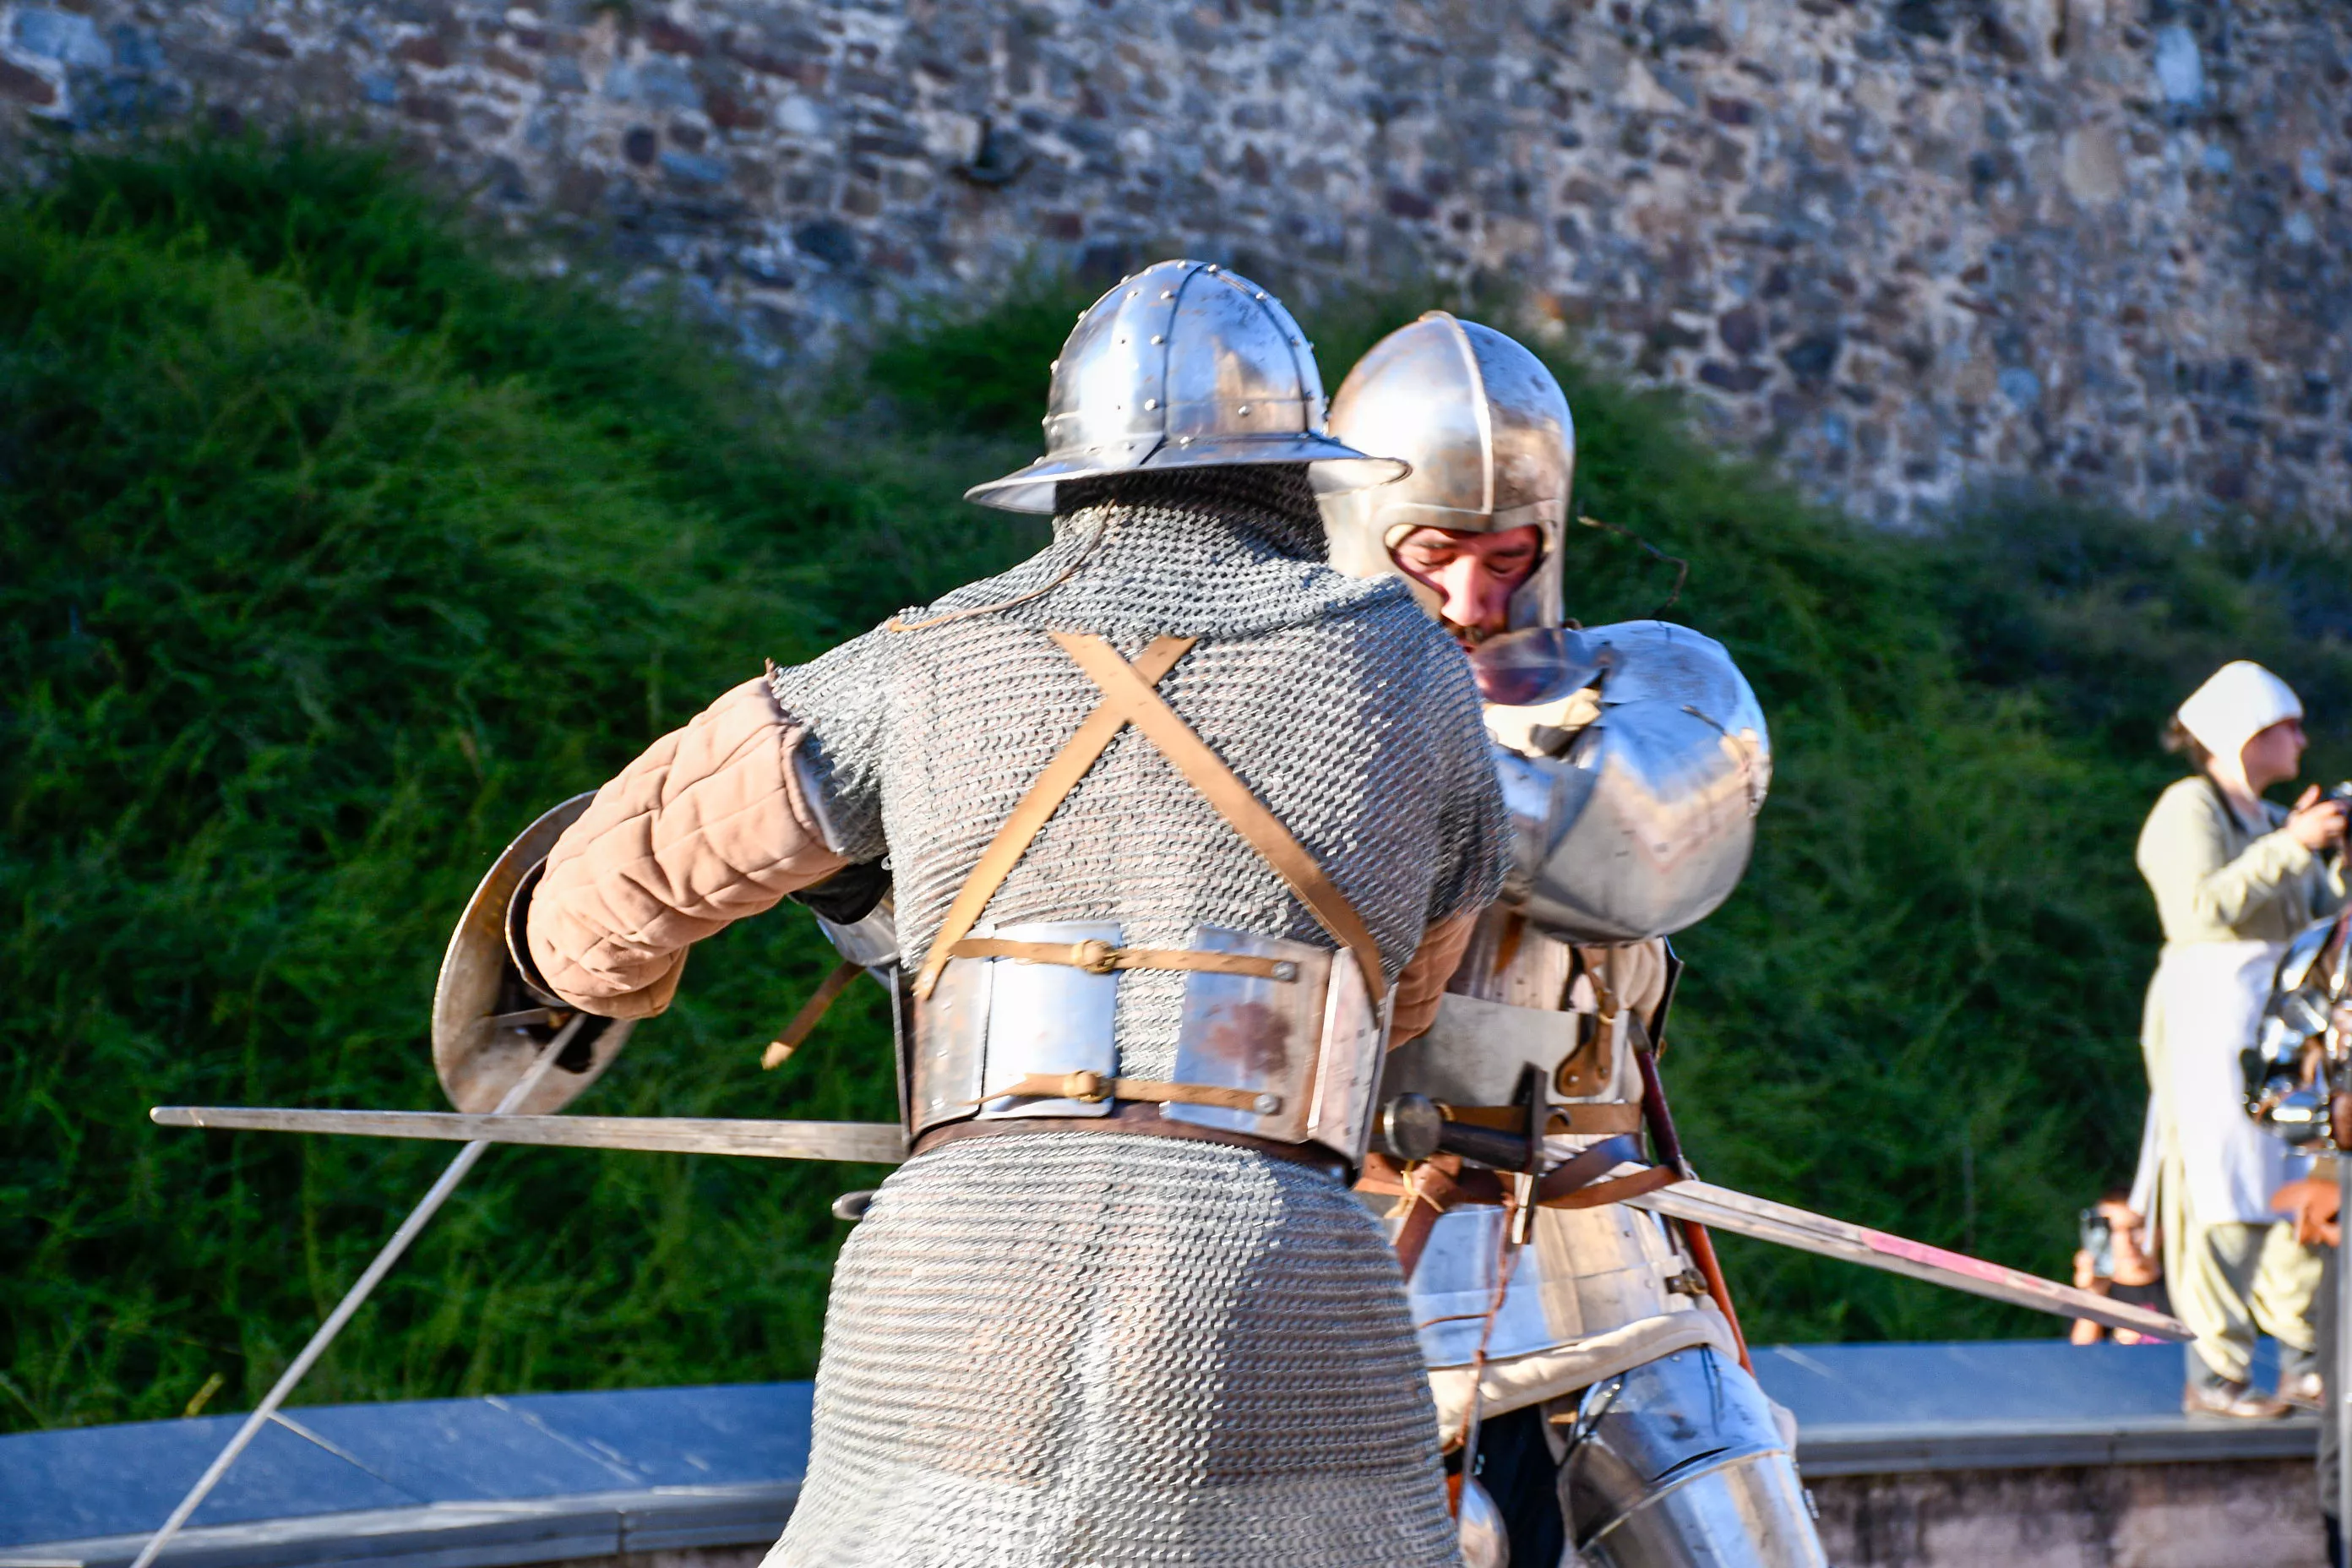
(1128, 699)
(1012, 841)
(1206, 772)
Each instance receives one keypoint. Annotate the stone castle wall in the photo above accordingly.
(1911, 247)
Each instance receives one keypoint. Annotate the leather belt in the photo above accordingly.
(1581, 1119)
(1093, 1089)
(1436, 1187)
(1144, 1118)
(1101, 958)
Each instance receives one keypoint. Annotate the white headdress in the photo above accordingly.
(2240, 701)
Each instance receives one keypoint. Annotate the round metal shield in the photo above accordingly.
(488, 1025)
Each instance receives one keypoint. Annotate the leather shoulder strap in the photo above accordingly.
(1061, 776)
(1127, 691)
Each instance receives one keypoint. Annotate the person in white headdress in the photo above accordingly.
(2235, 876)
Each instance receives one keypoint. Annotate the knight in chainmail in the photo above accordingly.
(1588, 1374)
(1077, 1327)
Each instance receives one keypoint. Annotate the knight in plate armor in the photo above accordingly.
(1169, 811)
(1571, 1342)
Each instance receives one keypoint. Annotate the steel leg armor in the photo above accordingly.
(1679, 1464)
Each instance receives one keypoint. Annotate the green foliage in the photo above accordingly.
(337, 540)
(984, 374)
(328, 564)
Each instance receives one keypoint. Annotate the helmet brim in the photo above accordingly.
(1333, 467)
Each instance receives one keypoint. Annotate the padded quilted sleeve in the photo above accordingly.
(708, 827)
(1421, 984)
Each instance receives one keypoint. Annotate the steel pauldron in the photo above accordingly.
(1638, 822)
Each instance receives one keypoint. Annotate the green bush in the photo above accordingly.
(336, 541)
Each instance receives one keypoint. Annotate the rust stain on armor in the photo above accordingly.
(1252, 1035)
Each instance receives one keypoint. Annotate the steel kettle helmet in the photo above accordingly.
(1492, 447)
(1184, 365)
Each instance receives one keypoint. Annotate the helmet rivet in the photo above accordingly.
(1212, 266)
(1245, 409)
(1150, 402)
(1056, 364)
(1168, 294)
(1135, 293)
(1158, 338)
(1259, 295)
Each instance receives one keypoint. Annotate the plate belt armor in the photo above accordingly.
(1634, 760)
(1277, 1040)
(1679, 1464)
(1289, 1054)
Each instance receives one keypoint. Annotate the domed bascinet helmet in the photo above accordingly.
(1184, 365)
(1488, 431)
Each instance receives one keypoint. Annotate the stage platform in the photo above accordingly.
(1895, 1439)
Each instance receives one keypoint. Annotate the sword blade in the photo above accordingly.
(1724, 1209)
(860, 1142)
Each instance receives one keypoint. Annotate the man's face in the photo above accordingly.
(1473, 575)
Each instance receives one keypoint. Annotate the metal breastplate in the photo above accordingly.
(1514, 1002)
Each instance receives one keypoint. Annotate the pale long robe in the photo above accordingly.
(2230, 893)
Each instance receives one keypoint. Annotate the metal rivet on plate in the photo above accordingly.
(1267, 1104)
(1286, 971)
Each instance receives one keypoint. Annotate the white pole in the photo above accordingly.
(353, 1299)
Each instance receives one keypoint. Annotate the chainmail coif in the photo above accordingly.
(1103, 1349)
